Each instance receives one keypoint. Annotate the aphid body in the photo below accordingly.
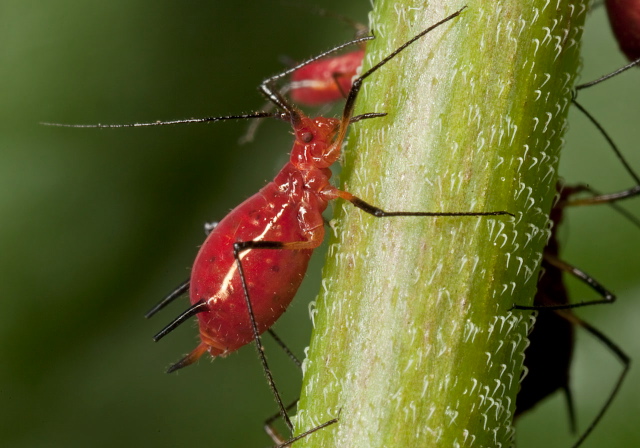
(326, 80)
(288, 209)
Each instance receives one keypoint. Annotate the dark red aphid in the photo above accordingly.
(549, 355)
(624, 16)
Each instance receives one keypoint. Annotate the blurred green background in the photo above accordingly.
(98, 224)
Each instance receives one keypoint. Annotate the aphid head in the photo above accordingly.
(314, 146)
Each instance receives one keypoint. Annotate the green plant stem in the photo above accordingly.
(415, 343)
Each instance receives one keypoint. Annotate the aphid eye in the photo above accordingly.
(306, 137)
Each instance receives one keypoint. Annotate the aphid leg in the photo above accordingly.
(284, 347)
(184, 286)
(598, 126)
(607, 296)
(336, 79)
(599, 198)
(240, 247)
(271, 430)
(379, 213)
(180, 290)
(277, 438)
(609, 199)
(607, 76)
(306, 433)
(196, 308)
(268, 424)
(571, 409)
(367, 116)
(622, 357)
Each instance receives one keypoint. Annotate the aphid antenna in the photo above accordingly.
(612, 144)
(270, 86)
(267, 88)
(316, 10)
(323, 55)
(278, 115)
(274, 94)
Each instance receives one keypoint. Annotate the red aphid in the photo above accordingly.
(289, 210)
(624, 16)
(258, 254)
(325, 80)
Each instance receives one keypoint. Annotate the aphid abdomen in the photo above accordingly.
(272, 275)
